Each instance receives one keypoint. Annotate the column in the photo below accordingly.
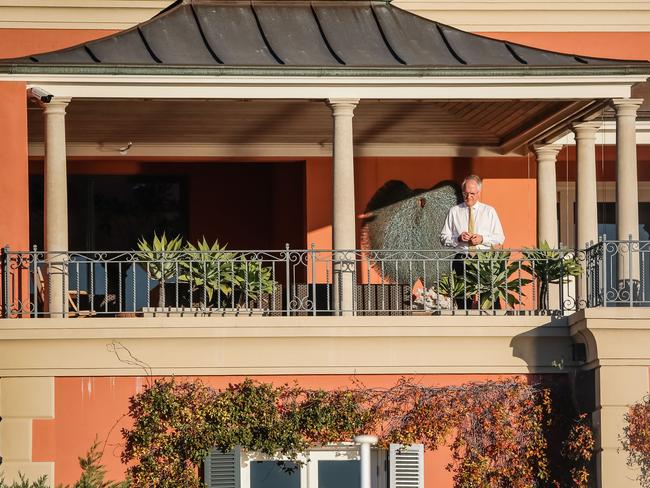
(586, 198)
(365, 441)
(343, 219)
(56, 205)
(627, 193)
(546, 155)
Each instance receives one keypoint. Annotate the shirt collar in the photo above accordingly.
(477, 205)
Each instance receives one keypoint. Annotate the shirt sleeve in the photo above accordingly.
(447, 237)
(495, 236)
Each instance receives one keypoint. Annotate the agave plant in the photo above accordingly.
(160, 259)
(252, 279)
(491, 277)
(209, 267)
(550, 266)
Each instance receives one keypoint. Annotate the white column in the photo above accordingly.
(627, 193)
(365, 441)
(546, 155)
(586, 197)
(56, 204)
(343, 218)
(586, 188)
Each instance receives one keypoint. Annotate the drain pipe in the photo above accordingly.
(365, 441)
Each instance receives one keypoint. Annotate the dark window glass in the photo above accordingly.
(339, 474)
(110, 213)
(270, 474)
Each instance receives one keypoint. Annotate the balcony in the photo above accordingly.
(317, 282)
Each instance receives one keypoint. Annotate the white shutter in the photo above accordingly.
(222, 469)
(406, 466)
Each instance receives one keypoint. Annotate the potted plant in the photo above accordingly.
(209, 269)
(160, 260)
(443, 294)
(490, 277)
(550, 266)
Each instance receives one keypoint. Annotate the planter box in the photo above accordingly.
(202, 312)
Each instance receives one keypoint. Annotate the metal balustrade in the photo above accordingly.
(307, 282)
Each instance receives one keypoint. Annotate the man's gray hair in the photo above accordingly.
(476, 179)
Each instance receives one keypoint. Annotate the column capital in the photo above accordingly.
(626, 106)
(57, 105)
(342, 106)
(586, 130)
(547, 151)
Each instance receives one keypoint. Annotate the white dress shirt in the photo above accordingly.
(486, 223)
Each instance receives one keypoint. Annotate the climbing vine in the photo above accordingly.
(636, 439)
(496, 430)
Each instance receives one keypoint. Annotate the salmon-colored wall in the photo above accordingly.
(622, 45)
(618, 45)
(14, 183)
(15, 43)
(14, 199)
(89, 407)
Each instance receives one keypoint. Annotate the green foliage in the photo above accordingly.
(550, 266)
(252, 279)
(494, 429)
(24, 483)
(450, 285)
(160, 259)
(209, 267)
(491, 277)
(92, 474)
(93, 471)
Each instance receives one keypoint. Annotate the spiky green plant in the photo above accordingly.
(160, 259)
(550, 266)
(209, 268)
(252, 279)
(491, 277)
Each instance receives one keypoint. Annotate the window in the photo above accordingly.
(328, 467)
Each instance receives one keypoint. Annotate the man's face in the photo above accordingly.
(471, 193)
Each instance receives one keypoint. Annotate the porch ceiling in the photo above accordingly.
(504, 125)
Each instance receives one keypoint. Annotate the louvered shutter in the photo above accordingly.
(406, 466)
(222, 469)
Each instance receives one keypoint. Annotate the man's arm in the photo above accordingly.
(447, 237)
(495, 236)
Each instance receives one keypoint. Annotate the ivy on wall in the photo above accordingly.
(497, 430)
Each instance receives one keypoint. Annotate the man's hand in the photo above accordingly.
(475, 239)
(465, 237)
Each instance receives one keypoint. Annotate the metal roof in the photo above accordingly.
(294, 34)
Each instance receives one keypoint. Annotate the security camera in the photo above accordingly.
(39, 95)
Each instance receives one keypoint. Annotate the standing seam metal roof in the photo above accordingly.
(298, 33)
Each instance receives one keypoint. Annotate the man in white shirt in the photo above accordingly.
(472, 224)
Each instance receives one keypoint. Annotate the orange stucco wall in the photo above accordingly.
(14, 202)
(618, 45)
(22, 42)
(89, 407)
(622, 45)
(14, 187)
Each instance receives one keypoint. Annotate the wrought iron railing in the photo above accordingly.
(619, 273)
(290, 282)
